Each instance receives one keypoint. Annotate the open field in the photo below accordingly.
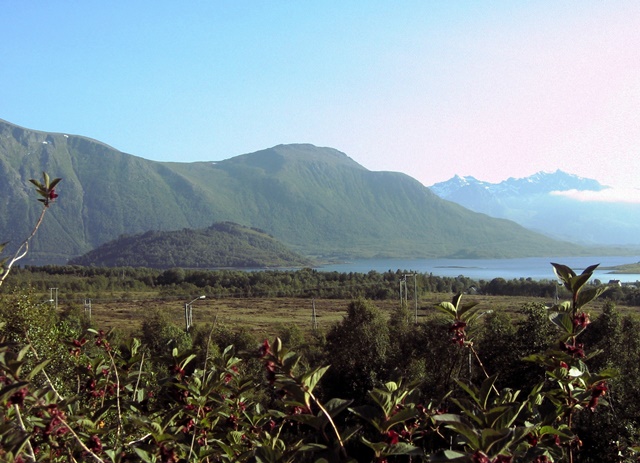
(263, 316)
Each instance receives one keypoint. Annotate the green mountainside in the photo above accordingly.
(317, 201)
(224, 244)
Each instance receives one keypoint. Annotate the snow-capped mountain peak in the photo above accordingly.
(534, 202)
(539, 183)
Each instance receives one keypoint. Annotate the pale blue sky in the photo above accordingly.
(492, 89)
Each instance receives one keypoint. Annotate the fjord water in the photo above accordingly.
(537, 268)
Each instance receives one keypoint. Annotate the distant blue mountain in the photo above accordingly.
(531, 202)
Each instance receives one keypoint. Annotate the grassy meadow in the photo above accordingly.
(263, 316)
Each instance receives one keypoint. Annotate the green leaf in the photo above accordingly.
(85, 422)
(111, 453)
(448, 418)
(186, 361)
(37, 184)
(335, 406)
(493, 437)
(350, 432)
(227, 449)
(403, 448)
(456, 300)
(563, 320)
(564, 306)
(590, 269)
(377, 447)
(550, 430)
(589, 294)
(144, 455)
(311, 447)
(467, 432)
(466, 308)
(578, 282)
(607, 373)
(400, 417)
(15, 440)
(485, 391)
(447, 308)
(471, 317)
(36, 369)
(504, 416)
(309, 380)
(471, 391)
(456, 423)
(563, 273)
(9, 390)
(54, 183)
(450, 456)
(391, 386)
(23, 352)
(385, 400)
(277, 346)
(235, 436)
(313, 421)
(368, 413)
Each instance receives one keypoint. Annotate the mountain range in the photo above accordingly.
(317, 201)
(537, 203)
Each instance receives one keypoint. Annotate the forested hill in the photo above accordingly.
(317, 201)
(221, 245)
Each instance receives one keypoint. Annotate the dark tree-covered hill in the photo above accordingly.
(222, 245)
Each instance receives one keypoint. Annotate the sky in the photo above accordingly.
(491, 89)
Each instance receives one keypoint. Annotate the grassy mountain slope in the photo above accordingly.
(224, 244)
(317, 201)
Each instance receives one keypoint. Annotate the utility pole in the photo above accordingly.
(51, 298)
(186, 317)
(188, 313)
(406, 291)
(314, 320)
(415, 293)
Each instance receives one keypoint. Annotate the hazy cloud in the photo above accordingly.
(608, 195)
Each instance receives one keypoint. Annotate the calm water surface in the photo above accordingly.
(538, 268)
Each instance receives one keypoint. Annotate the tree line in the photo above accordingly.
(81, 281)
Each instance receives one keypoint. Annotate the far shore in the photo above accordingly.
(624, 269)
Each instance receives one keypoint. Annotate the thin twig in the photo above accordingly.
(35, 353)
(135, 389)
(82, 444)
(24, 247)
(326, 413)
(483, 369)
(115, 370)
(61, 399)
(193, 435)
(206, 355)
(31, 454)
(204, 376)
(104, 390)
(137, 441)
